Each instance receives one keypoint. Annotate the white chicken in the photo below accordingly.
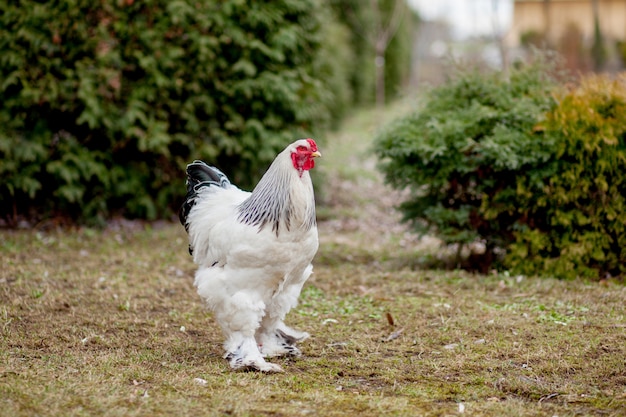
(254, 252)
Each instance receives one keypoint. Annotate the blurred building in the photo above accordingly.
(590, 34)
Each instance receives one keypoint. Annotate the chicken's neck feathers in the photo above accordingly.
(283, 199)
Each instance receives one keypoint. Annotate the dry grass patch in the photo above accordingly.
(108, 323)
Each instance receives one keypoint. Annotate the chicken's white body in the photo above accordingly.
(253, 260)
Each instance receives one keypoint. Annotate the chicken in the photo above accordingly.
(254, 252)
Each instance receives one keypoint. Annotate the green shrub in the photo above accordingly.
(505, 162)
(460, 153)
(103, 103)
(573, 214)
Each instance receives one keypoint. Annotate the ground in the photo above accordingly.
(108, 323)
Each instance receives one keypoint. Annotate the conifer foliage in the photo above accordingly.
(103, 103)
(535, 173)
(461, 151)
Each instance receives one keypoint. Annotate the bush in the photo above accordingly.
(573, 211)
(103, 103)
(461, 151)
(504, 162)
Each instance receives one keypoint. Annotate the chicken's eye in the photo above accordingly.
(302, 149)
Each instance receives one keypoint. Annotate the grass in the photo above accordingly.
(108, 323)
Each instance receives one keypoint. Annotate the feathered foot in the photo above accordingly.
(282, 342)
(248, 357)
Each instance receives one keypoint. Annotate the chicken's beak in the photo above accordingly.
(316, 154)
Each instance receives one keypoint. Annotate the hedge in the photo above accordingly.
(103, 103)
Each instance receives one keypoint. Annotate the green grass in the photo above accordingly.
(108, 323)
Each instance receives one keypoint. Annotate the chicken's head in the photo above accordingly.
(303, 153)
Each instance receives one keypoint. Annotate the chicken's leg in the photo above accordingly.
(274, 337)
(278, 339)
(239, 315)
(248, 356)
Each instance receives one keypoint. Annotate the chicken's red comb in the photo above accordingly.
(313, 144)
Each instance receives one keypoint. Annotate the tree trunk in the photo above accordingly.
(499, 36)
(381, 39)
(598, 52)
(380, 78)
(547, 23)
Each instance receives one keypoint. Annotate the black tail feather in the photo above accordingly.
(200, 175)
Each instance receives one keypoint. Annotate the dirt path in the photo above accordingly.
(354, 202)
